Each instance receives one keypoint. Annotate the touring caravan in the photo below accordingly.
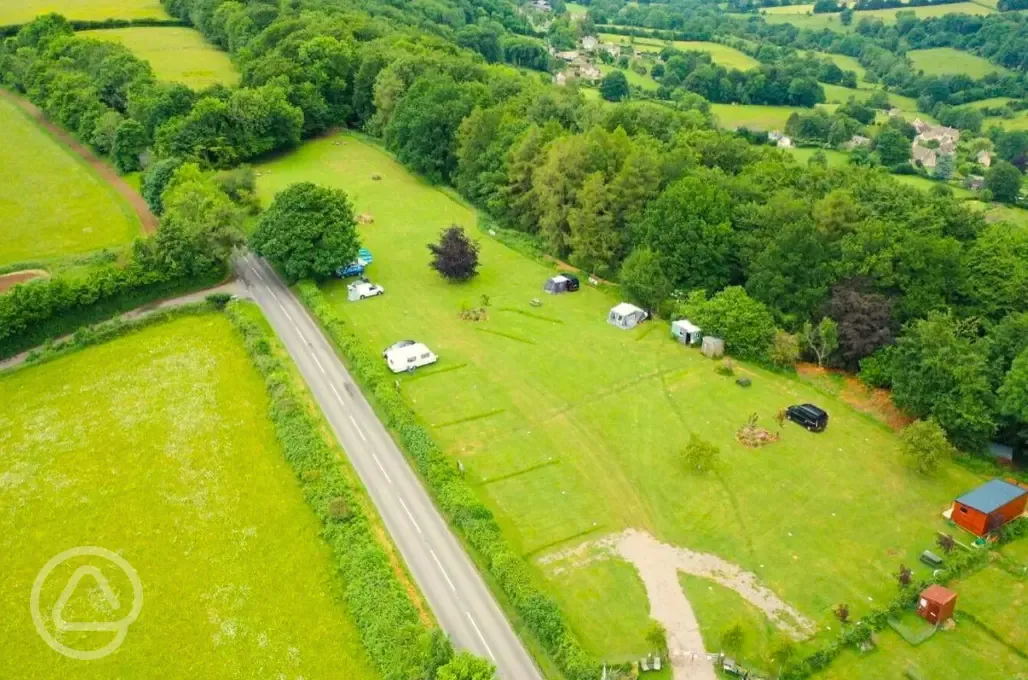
(409, 357)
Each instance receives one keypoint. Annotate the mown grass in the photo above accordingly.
(718, 608)
(926, 184)
(24, 11)
(610, 414)
(948, 61)
(52, 204)
(176, 54)
(158, 445)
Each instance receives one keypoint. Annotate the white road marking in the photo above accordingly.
(320, 367)
(480, 636)
(440, 565)
(254, 270)
(358, 428)
(412, 520)
(384, 473)
(336, 392)
(288, 315)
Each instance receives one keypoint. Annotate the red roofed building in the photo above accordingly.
(990, 506)
(936, 604)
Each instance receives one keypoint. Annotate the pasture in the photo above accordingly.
(645, 82)
(723, 55)
(176, 54)
(571, 429)
(24, 11)
(52, 204)
(948, 61)
(802, 16)
(158, 445)
(754, 116)
(836, 159)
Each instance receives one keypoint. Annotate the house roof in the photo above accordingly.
(937, 593)
(686, 325)
(625, 308)
(992, 496)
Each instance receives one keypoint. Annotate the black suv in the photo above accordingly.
(572, 282)
(809, 416)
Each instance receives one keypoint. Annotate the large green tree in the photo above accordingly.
(939, 371)
(745, 324)
(309, 231)
(689, 227)
(614, 86)
(595, 243)
(1003, 179)
(643, 279)
(1013, 393)
(892, 148)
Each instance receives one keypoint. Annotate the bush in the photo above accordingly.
(396, 640)
(219, 300)
(470, 518)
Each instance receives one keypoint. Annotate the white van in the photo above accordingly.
(408, 358)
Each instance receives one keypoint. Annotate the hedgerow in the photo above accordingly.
(469, 516)
(399, 645)
(35, 312)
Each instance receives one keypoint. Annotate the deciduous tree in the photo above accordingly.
(925, 445)
(309, 231)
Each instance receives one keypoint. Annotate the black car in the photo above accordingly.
(809, 416)
(572, 282)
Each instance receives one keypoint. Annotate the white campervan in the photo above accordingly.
(408, 358)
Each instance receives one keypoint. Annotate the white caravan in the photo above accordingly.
(408, 358)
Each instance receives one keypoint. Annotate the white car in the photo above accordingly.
(362, 289)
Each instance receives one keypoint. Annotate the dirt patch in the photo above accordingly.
(139, 205)
(658, 565)
(871, 400)
(11, 280)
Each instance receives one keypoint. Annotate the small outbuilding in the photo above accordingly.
(990, 506)
(936, 604)
(626, 316)
(687, 332)
(562, 283)
(712, 347)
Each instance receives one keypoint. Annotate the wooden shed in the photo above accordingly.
(990, 506)
(936, 604)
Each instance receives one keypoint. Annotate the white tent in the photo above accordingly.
(626, 316)
(687, 332)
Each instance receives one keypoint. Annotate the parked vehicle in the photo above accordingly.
(362, 289)
(809, 416)
(357, 267)
(400, 344)
(409, 357)
(352, 269)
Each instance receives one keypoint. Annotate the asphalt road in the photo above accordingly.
(449, 580)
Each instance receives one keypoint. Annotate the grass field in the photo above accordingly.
(846, 63)
(835, 158)
(176, 54)
(51, 203)
(638, 80)
(754, 116)
(158, 446)
(571, 429)
(797, 15)
(948, 61)
(926, 184)
(726, 56)
(575, 10)
(24, 11)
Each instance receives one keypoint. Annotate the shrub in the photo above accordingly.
(219, 300)
(700, 455)
(725, 367)
(338, 509)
